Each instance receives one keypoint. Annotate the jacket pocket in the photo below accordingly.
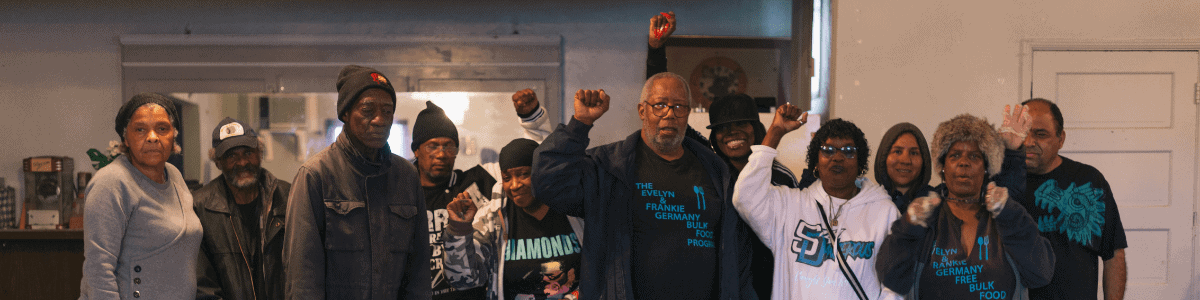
(402, 224)
(345, 225)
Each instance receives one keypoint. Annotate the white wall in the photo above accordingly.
(60, 84)
(926, 61)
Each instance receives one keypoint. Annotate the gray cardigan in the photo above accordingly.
(141, 237)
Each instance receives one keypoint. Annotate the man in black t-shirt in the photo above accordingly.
(658, 206)
(1075, 209)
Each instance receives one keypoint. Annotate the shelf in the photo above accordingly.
(41, 234)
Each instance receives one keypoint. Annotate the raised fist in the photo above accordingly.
(590, 105)
(661, 27)
(525, 101)
(461, 213)
(789, 117)
(921, 208)
(997, 196)
(1016, 126)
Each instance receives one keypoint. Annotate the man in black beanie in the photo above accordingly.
(435, 145)
(354, 214)
(477, 249)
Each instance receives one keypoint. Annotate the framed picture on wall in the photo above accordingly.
(719, 66)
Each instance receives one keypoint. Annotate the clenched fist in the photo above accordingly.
(461, 213)
(787, 119)
(921, 208)
(590, 105)
(997, 196)
(525, 101)
(661, 27)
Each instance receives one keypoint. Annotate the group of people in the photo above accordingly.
(669, 213)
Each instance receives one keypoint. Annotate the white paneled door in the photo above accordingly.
(1133, 116)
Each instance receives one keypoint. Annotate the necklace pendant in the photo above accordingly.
(834, 222)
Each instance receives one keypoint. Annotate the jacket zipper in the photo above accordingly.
(253, 287)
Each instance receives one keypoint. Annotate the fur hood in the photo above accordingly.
(885, 147)
(966, 127)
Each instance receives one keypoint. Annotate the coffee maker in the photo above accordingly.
(49, 192)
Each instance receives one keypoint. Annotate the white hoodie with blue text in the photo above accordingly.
(788, 221)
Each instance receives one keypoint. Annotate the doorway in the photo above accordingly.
(1131, 114)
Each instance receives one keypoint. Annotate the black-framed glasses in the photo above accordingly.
(848, 151)
(660, 109)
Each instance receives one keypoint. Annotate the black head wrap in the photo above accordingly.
(518, 153)
(139, 100)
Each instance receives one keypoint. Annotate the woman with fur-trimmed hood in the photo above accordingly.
(902, 164)
(968, 238)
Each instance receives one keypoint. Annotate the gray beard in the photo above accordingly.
(242, 183)
(666, 145)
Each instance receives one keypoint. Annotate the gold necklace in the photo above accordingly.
(834, 222)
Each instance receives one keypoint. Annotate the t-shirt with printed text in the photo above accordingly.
(676, 217)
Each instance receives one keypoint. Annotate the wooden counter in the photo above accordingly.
(40, 264)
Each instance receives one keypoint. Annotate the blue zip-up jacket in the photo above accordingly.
(598, 184)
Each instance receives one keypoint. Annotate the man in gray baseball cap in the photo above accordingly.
(242, 212)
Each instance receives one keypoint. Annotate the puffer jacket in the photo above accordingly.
(222, 270)
(356, 229)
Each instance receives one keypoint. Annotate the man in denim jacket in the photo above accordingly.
(356, 221)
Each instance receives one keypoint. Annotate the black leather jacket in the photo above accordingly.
(222, 270)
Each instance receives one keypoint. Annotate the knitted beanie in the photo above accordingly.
(353, 80)
(432, 123)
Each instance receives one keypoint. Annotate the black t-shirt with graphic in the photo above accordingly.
(436, 199)
(953, 272)
(542, 257)
(676, 225)
(1075, 209)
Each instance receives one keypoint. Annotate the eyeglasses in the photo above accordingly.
(848, 151)
(660, 109)
(447, 148)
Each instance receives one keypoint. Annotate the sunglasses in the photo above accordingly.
(848, 151)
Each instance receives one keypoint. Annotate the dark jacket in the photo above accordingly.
(907, 249)
(598, 184)
(921, 186)
(222, 270)
(356, 228)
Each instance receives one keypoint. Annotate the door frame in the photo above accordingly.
(1025, 91)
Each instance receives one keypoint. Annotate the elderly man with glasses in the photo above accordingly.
(660, 223)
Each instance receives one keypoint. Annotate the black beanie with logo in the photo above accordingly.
(432, 123)
(353, 80)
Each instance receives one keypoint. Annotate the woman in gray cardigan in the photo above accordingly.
(142, 236)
